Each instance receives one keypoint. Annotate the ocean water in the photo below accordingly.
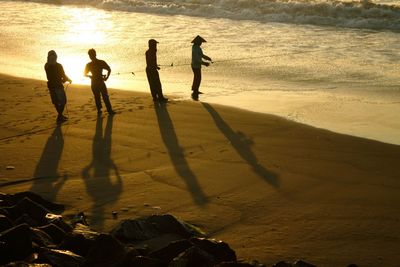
(330, 64)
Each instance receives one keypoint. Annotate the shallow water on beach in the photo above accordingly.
(315, 65)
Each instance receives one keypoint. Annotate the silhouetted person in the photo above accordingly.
(197, 61)
(55, 82)
(99, 88)
(152, 72)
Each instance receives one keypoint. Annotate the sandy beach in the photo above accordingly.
(271, 188)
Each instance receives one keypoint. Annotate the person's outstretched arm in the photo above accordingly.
(206, 57)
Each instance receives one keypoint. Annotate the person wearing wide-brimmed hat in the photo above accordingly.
(197, 61)
(152, 72)
(56, 78)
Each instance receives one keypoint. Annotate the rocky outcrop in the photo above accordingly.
(32, 233)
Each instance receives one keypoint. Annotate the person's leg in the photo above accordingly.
(62, 101)
(106, 98)
(196, 80)
(53, 97)
(158, 86)
(150, 79)
(97, 99)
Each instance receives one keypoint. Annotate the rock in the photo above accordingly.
(106, 251)
(25, 218)
(85, 231)
(4, 212)
(151, 227)
(63, 225)
(41, 238)
(30, 208)
(11, 200)
(300, 263)
(169, 224)
(172, 250)
(193, 257)
(134, 230)
(145, 262)
(76, 243)
(15, 243)
(5, 223)
(26, 264)
(240, 264)
(62, 258)
(79, 240)
(56, 233)
(50, 217)
(220, 250)
(79, 218)
(282, 264)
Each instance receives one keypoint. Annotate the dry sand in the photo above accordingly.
(273, 189)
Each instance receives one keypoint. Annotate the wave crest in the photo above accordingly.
(354, 14)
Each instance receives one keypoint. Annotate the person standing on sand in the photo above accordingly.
(56, 78)
(197, 61)
(152, 72)
(99, 88)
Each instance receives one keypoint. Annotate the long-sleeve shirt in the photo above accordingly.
(197, 56)
(151, 59)
(55, 75)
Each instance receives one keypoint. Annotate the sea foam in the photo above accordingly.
(350, 14)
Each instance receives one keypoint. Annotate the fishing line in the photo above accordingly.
(247, 58)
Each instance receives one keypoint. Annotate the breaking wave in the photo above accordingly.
(350, 14)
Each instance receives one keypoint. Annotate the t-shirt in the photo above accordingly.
(151, 59)
(96, 69)
(55, 75)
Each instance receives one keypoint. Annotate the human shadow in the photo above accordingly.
(46, 179)
(176, 154)
(97, 175)
(242, 145)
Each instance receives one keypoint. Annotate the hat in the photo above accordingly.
(152, 41)
(198, 39)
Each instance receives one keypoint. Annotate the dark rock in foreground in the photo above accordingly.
(15, 243)
(33, 234)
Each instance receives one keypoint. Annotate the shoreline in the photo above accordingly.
(368, 127)
(272, 188)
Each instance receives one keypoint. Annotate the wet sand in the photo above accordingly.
(271, 188)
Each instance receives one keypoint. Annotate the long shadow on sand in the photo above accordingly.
(47, 180)
(241, 144)
(176, 153)
(97, 175)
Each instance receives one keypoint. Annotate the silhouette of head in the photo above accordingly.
(153, 44)
(198, 40)
(51, 57)
(92, 53)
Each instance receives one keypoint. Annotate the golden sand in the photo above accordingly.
(271, 188)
